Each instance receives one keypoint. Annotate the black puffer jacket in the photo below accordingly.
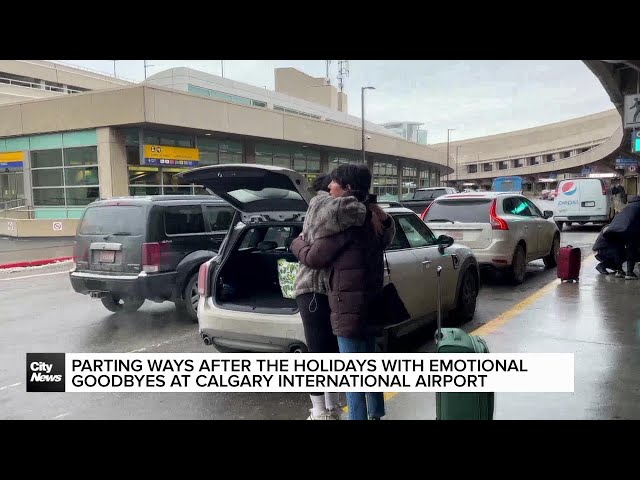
(625, 226)
(355, 259)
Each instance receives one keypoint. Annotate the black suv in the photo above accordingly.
(131, 249)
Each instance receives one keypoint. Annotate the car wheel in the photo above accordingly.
(519, 265)
(113, 304)
(467, 299)
(551, 260)
(190, 297)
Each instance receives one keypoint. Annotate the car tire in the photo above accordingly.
(519, 265)
(112, 303)
(467, 299)
(551, 260)
(189, 296)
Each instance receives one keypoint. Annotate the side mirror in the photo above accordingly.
(444, 241)
(548, 214)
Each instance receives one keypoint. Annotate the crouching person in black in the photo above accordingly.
(610, 254)
(624, 230)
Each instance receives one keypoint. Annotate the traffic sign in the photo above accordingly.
(632, 111)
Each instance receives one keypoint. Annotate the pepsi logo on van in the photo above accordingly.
(569, 188)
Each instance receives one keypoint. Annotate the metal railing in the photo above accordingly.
(16, 203)
(91, 70)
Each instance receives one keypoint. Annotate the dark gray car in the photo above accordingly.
(131, 249)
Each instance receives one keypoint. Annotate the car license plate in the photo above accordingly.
(588, 204)
(456, 235)
(107, 256)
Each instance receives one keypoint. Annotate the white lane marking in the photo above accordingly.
(9, 386)
(31, 276)
(61, 415)
(182, 337)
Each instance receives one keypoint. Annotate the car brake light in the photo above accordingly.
(426, 210)
(203, 279)
(497, 223)
(80, 253)
(155, 256)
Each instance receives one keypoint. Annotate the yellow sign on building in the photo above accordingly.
(170, 156)
(11, 160)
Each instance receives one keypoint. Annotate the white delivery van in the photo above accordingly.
(583, 200)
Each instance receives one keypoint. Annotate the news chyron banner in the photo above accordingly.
(292, 372)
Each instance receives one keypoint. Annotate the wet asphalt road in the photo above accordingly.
(40, 312)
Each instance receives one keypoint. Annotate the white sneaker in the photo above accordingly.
(326, 415)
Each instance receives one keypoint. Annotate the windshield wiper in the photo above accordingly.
(440, 220)
(117, 233)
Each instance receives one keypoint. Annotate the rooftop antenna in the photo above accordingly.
(145, 69)
(343, 72)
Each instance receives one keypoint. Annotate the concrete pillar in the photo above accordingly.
(324, 161)
(249, 148)
(112, 163)
(26, 179)
(400, 163)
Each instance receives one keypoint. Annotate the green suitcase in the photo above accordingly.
(461, 405)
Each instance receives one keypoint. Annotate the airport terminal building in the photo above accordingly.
(60, 152)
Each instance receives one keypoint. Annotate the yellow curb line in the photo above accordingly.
(502, 319)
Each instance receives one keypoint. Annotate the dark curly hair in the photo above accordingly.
(353, 176)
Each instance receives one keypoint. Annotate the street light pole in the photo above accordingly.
(364, 158)
(457, 151)
(114, 69)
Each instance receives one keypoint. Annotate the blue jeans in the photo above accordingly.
(361, 404)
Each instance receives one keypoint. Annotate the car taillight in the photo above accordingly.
(203, 279)
(426, 211)
(155, 256)
(80, 253)
(497, 223)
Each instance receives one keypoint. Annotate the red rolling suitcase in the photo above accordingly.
(569, 259)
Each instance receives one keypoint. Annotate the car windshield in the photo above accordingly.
(429, 194)
(113, 219)
(465, 211)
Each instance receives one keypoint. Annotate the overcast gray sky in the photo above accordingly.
(476, 97)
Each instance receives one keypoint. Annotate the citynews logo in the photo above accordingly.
(45, 372)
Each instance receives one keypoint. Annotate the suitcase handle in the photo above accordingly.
(439, 333)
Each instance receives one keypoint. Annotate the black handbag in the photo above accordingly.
(388, 309)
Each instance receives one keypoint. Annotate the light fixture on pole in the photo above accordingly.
(449, 130)
(364, 158)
